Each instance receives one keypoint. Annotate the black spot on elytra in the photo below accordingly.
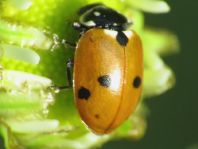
(104, 80)
(137, 82)
(122, 38)
(83, 93)
(97, 116)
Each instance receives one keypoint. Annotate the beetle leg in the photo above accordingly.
(69, 67)
(68, 44)
(70, 64)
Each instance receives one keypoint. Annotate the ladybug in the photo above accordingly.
(108, 68)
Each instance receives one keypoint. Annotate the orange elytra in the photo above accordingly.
(108, 68)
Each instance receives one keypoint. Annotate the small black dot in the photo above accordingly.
(97, 116)
(137, 82)
(122, 38)
(104, 80)
(83, 93)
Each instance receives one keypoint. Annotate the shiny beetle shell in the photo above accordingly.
(107, 78)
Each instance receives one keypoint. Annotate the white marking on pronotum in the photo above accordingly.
(111, 33)
(90, 23)
(114, 33)
(128, 33)
(96, 13)
(115, 24)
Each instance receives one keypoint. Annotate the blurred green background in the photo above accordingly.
(173, 118)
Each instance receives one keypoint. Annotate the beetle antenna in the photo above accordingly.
(66, 43)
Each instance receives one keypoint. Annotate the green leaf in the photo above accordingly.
(33, 126)
(16, 103)
(151, 6)
(25, 36)
(9, 140)
(4, 135)
(160, 41)
(152, 60)
(24, 94)
(22, 4)
(19, 53)
(134, 127)
(13, 79)
(157, 81)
